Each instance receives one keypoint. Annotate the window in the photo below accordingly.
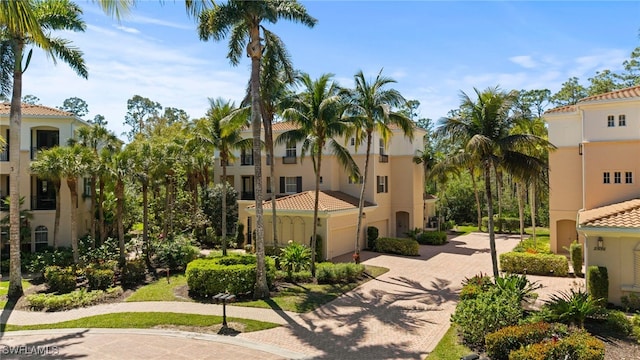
(246, 157)
(616, 177)
(622, 120)
(606, 178)
(268, 184)
(381, 145)
(382, 182)
(628, 177)
(611, 121)
(353, 141)
(87, 187)
(320, 179)
(41, 237)
(291, 149)
(359, 181)
(290, 184)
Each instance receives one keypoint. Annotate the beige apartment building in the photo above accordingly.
(394, 200)
(594, 184)
(42, 127)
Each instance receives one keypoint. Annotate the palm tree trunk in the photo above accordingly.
(72, 183)
(499, 193)
(119, 190)
(492, 235)
(520, 187)
(15, 275)
(145, 222)
(315, 212)
(477, 195)
(254, 50)
(361, 201)
(224, 210)
(93, 209)
(268, 139)
(57, 184)
(532, 205)
(101, 224)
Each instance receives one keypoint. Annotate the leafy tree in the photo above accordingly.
(99, 120)
(76, 106)
(570, 92)
(212, 199)
(241, 21)
(139, 111)
(317, 112)
(631, 74)
(603, 82)
(174, 115)
(532, 102)
(369, 107)
(48, 166)
(31, 99)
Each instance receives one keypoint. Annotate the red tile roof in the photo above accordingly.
(632, 92)
(304, 201)
(35, 110)
(621, 215)
(562, 109)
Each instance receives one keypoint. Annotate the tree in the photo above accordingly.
(31, 99)
(603, 82)
(76, 106)
(241, 21)
(532, 102)
(482, 129)
(570, 92)
(631, 74)
(317, 112)
(48, 166)
(369, 107)
(99, 120)
(139, 111)
(30, 23)
(173, 115)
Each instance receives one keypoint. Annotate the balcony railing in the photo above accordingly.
(246, 195)
(4, 155)
(43, 203)
(289, 159)
(384, 158)
(246, 159)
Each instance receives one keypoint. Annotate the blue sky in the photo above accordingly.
(433, 49)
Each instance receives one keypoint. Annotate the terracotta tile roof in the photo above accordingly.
(562, 109)
(632, 92)
(304, 201)
(34, 110)
(621, 215)
(283, 126)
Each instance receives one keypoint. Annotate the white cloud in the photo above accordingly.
(525, 61)
(127, 29)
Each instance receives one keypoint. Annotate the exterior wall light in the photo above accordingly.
(600, 245)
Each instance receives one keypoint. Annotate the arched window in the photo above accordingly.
(41, 237)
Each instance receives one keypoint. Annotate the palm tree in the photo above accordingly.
(224, 136)
(483, 130)
(369, 107)
(142, 163)
(241, 21)
(76, 161)
(48, 166)
(118, 165)
(317, 111)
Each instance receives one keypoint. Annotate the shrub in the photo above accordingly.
(329, 273)
(75, 299)
(509, 224)
(133, 273)
(475, 285)
(630, 302)
(489, 311)
(297, 277)
(176, 253)
(576, 257)
(571, 307)
(534, 264)
(577, 346)
(372, 236)
(90, 254)
(519, 285)
(294, 258)
(233, 274)
(500, 343)
(37, 262)
(240, 235)
(618, 322)
(319, 248)
(60, 280)
(598, 283)
(432, 238)
(397, 246)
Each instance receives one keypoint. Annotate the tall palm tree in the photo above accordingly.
(317, 111)
(48, 166)
(241, 21)
(369, 107)
(483, 130)
(142, 164)
(224, 136)
(118, 165)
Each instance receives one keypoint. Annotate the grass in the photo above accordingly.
(4, 288)
(449, 347)
(464, 230)
(306, 297)
(541, 245)
(145, 320)
(160, 290)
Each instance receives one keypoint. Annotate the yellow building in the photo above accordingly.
(394, 193)
(593, 183)
(42, 127)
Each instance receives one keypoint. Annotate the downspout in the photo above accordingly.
(584, 249)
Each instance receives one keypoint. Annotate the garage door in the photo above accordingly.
(342, 241)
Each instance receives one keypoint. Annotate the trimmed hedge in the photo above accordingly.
(576, 257)
(133, 273)
(329, 273)
(408, 247)
(598, 284)
(579, 346)
(60, 280)
(74, 299)
(500, 343)
(534, 264)
(372, 236)
(432, 238)
(508, 224)
(233, 274)
(100, 279)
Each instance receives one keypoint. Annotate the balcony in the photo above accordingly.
(4, 155)
(384, 158)
(289, 159)
(246, 195)
(43, 203)
(246, 160)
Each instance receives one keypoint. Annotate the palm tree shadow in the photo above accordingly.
(4, 316)
(54, 346)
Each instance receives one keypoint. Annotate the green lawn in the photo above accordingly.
(4, 288)
(449, 348)
(464, 230)
(145, 320)
(160, 290)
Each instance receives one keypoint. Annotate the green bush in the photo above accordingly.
(133, 273)
(630, 302)
(508, 224)
(576, 257)
(397, 246)
(296, 277)
(234, 274)
(329, 273)
(534, 264)
(598, 284)
(500, 343)
(570, 307)
(519, 285)
(38, 261)
(75, 299)
(176, 253)
(60, 280)
(432, 238)
(99, 279)
(618, 322)
(577, 346)
(475, 285)
(294, 258)
(490, 311)
(90, 254)
(372, 236)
